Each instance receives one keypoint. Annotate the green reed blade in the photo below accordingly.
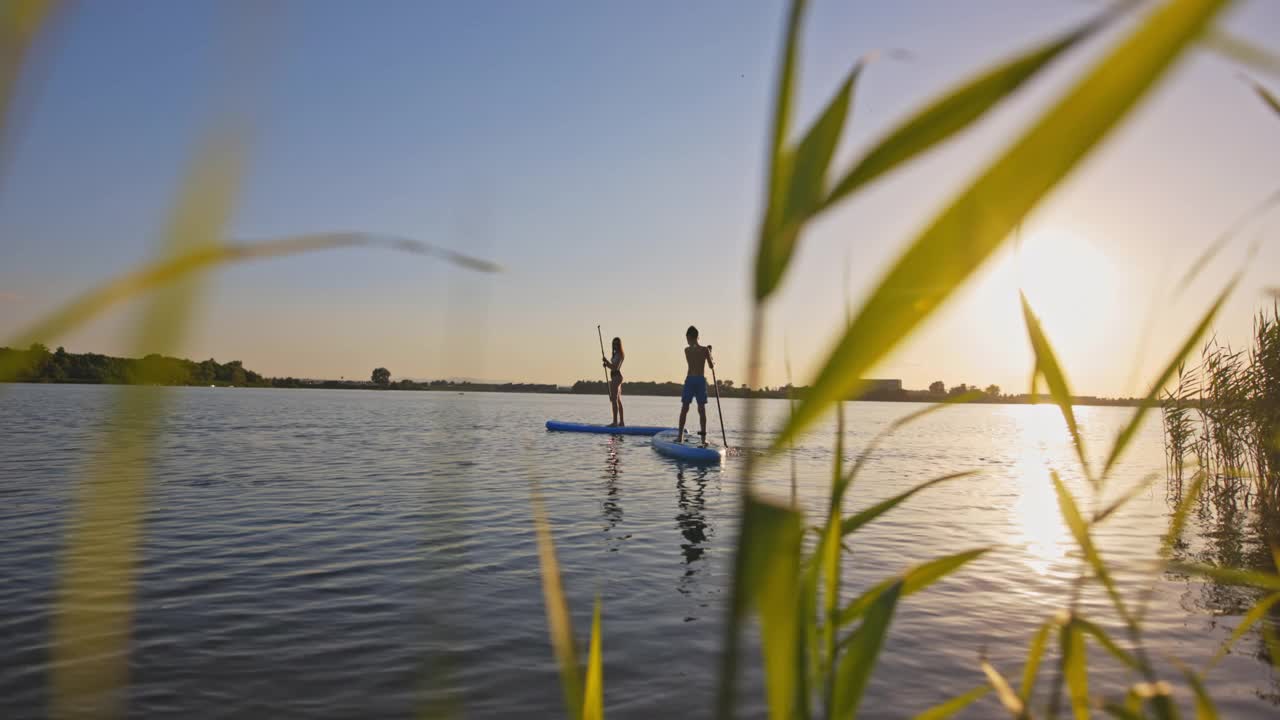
(780, 159)
(1179, 519)
(1226, 237)
(1229, 576)
(1242, 51)
(862, 653)
(1035, 653)
(1205, 709)
(1008, 699)
(1267, 96)
(593, 700)
(1256, 613)
(1046, 363)
(830, 554)
(21, 23)
(1080, 530)
(1120, 711)
(943, 118)
(806, 184)
(1075, 669)
(1107, 643)
(97, 577)
(1138, 488)
(171, 269)
(1171, 369)
(559, 623)
(770, 541)
(945, 710)
(913, 580)
(967, 232)
(851, 524)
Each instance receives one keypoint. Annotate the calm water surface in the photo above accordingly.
(313, 553)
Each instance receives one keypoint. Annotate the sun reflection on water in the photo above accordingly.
(1042, 439)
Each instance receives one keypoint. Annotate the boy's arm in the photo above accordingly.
(710, 362)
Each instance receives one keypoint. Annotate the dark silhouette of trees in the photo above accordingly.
(993, 390)
(381, 376)
(937, 387)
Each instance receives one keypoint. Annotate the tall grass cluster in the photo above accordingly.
(820, 645)
(1224, 414)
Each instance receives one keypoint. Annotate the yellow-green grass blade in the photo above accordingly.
(806, 169)
(93, 617)
(559, 623)
(779, 158)
(851, 524)
(1004, 692)
(950, 114)
(862, 652)
(1138, 488)
(1080, 530)
(1256, 613)
(1035, 653)
(771, 546)
(1048, 368)
(830, 549)
(895, 426)
(168, 270)
(912, 581)
(970, 229)
(1205, 709)
(1126, 435)
(1230, 576)
(1226, 237)
(1267, 96)
(21, 22)
(1119, 653)
(1242, 51)
(1075, 670)
(593, 702)
(942, 711)
(1179, 519)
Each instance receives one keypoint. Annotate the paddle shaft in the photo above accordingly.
(600, 337)
(719, 412)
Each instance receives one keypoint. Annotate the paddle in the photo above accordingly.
(719, 412)
(602, 357)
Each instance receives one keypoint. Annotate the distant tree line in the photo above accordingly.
(38, 364)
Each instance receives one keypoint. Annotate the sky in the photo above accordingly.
(610, 157)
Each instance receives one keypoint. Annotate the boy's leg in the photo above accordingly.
(684, 412)
(702, 420)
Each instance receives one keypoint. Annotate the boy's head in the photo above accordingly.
(691, 335)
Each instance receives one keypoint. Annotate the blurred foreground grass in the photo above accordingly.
(819, 652)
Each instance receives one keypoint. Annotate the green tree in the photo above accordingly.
(381, 376)
(993, 390)
(937, 387)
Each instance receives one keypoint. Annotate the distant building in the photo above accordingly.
(879, 386)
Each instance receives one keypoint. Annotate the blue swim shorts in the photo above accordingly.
(694, 386)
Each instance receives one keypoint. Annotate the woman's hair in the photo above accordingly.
(617, 345)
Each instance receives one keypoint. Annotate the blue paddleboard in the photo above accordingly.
(604, 429)
(665, 443)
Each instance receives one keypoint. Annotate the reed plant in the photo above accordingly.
(820, 647)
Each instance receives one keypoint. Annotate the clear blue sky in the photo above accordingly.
(609, 156)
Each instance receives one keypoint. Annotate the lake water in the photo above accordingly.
(315, 553)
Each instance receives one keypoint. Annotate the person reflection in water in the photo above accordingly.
(611, 506)
(692, 522)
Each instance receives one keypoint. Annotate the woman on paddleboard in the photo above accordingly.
(614, 366)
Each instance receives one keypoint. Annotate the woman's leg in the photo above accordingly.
(618, 401)
(613, 401)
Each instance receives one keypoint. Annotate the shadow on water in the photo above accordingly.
(1229, 533)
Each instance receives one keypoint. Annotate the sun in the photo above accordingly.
(1071, 285)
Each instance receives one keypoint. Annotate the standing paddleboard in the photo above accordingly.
(665, 443)
(604, 429)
